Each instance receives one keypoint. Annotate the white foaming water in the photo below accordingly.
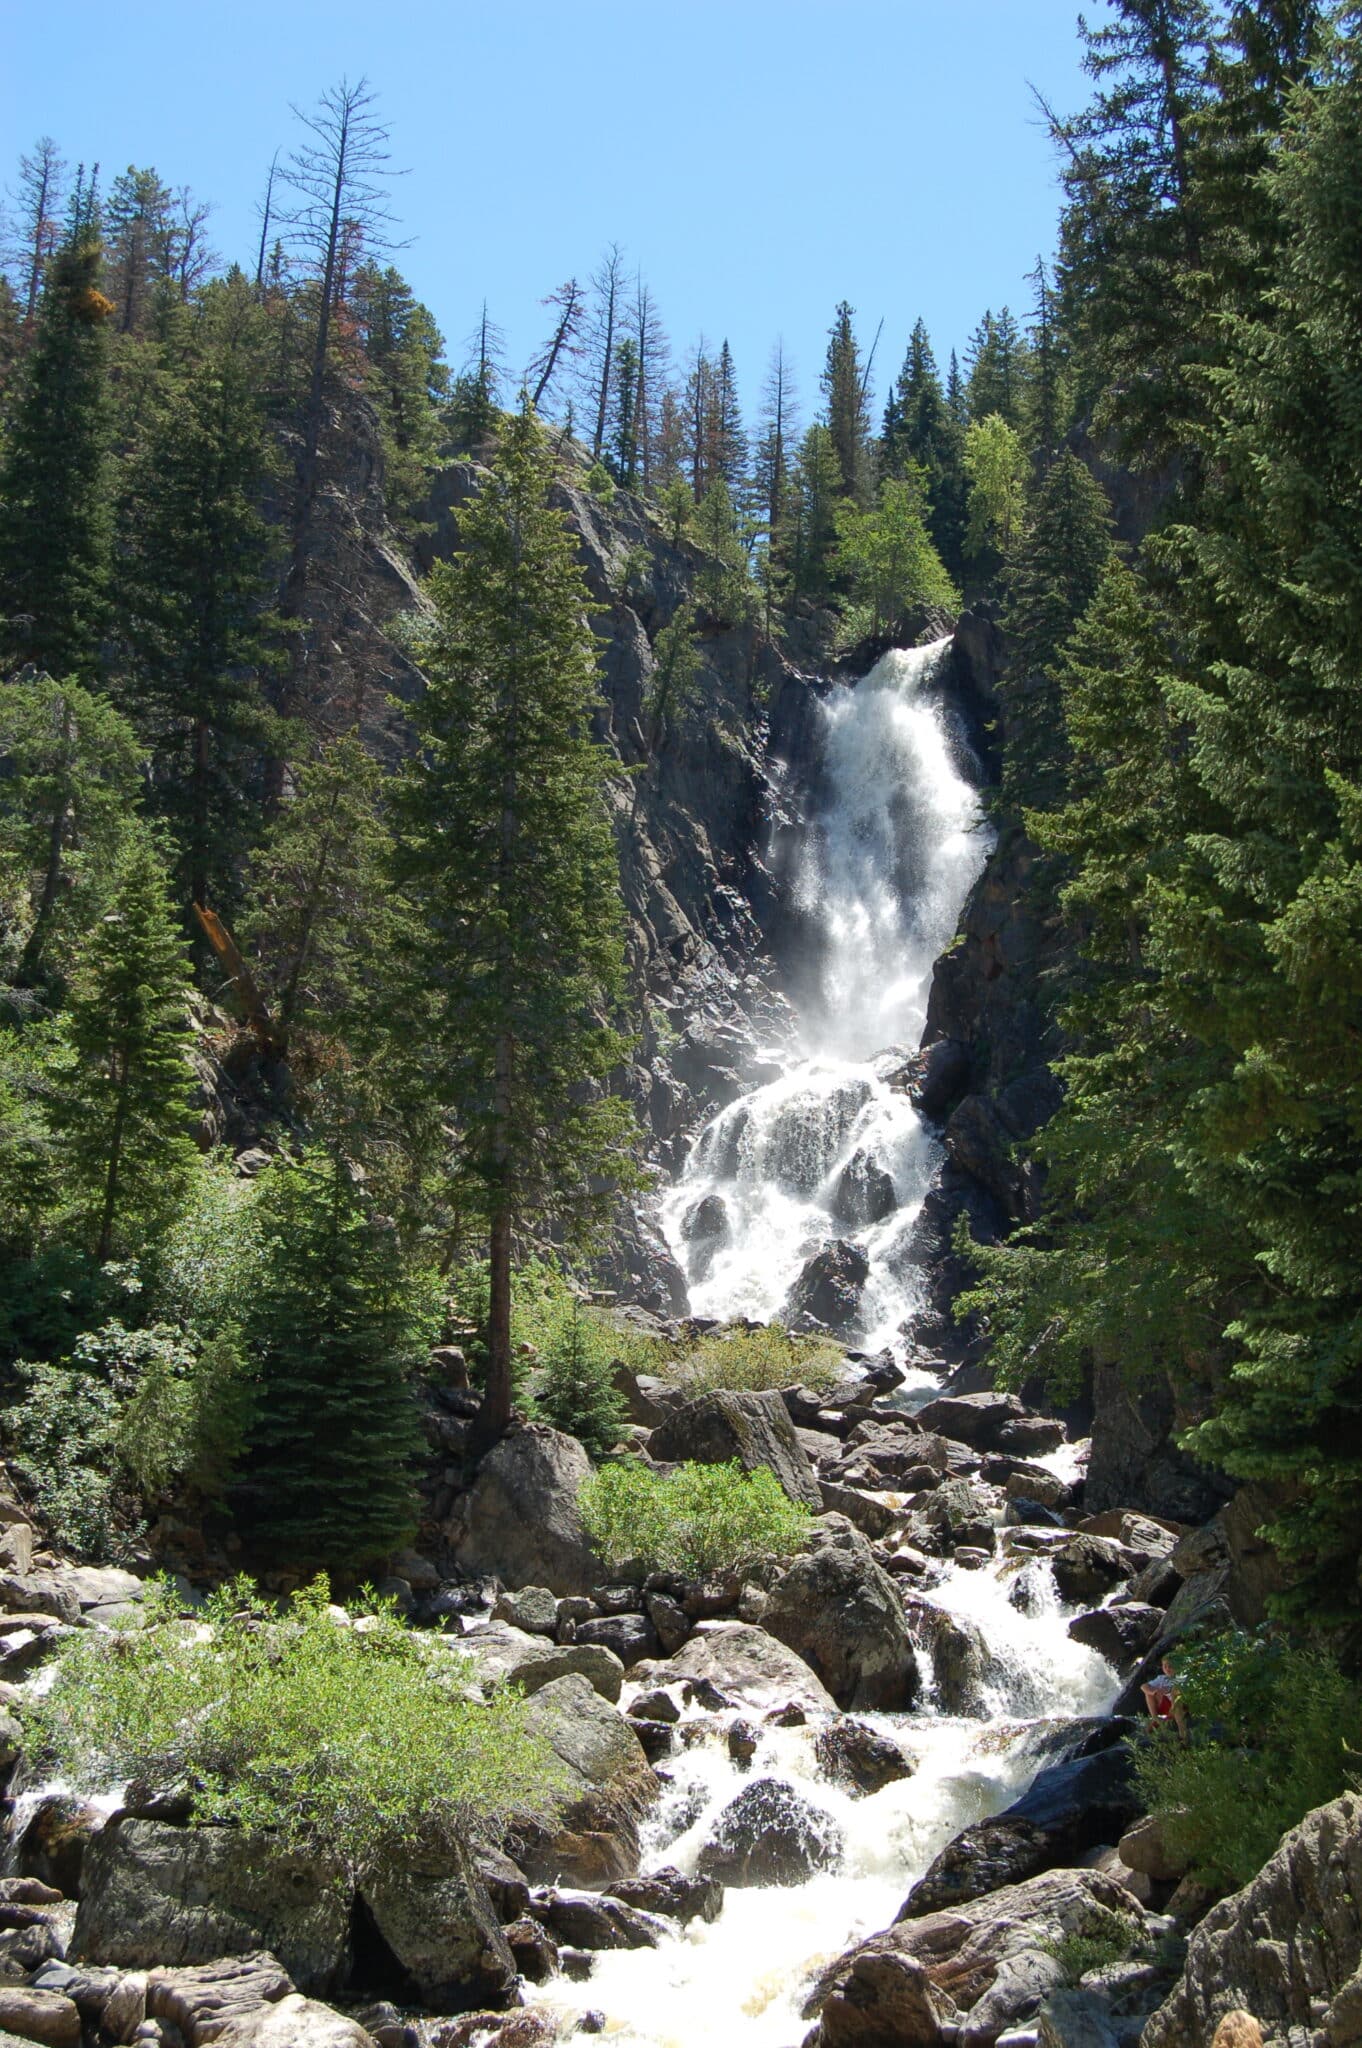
(743, 1979)
(881, 882)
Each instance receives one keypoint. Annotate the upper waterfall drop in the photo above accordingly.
(831, 1150)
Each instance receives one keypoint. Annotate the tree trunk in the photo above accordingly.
(495, 1413)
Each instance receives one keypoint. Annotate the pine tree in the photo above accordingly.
(1055, 574)
(326, 1477)
(919, 428)
(69, 773)
(55, 516)
(476, 393)
(137, 218)
(729, 458)
(193, 591)
(409, 377)
(844, 391)
(625, 423)
(817, 491)
(997, 367)
(123, 1118)
(506, 856)
(577, 1391)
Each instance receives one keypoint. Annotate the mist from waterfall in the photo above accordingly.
(831, 1150)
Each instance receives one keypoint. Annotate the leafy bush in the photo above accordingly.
(1275, 1728)
(205, 1272)
(127, 1413)
(354, 1739)
(600, 483)
(1076, 1954)
(751, 1361)
(699, 1520)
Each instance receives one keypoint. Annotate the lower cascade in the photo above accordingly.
(832, 1153)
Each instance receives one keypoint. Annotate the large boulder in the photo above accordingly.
(435, 1917)
(883, 1455)
(1072, 1806)
(828, 1291)
(606, 1785)
(501, 1652)
(1123, 1634)
(854, 1754)
(748, 1666)
(1288, 1948)
(841, 1612)
(969, 1973)
(991, 1422)
(769, 1834)
(202, 2001)
(864, 1193)
(959, 1656)
(295, 2022)
(1087, 1567)
(170, 1896)
(519, 1518)
(754, 1429)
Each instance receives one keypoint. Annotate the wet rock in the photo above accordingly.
(1122, 1634)
(675, 1897)
(503, 1654)
(593, 1920)
(1087, 1567)
(739, 1663)
(958, 1652)
(707, 1230)
(533, 1609)
(742, 1743)
(936, 1078)
(630, 1637)
(533, 1950)
(991, 1961)
(855, 1754)
(961, 1511)
(828, 1291)
(520, 1516)
(657, 1739)
(864, 1193)
(754, 1429)
(528, 2029)
(609, 1786)
(1287, 1948)
(769, 1835)
(839, 1611)
(505, 1882)
(656, 1705)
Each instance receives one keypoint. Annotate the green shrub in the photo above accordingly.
(752, 1361)
(699, 1520)
(1076, 1954)
(354, 1740)
(1275, 1729)
(205, 1270)
(125, 1415)
(600, 483)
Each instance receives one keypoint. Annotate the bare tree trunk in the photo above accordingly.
(265, 227)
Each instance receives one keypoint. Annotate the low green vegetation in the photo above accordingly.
(1275, 1729)
(751, 1361)
(350, 1735)
(699, 1520)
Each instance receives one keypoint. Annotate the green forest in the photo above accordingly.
(422, 778)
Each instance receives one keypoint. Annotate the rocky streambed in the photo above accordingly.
(877, 1794)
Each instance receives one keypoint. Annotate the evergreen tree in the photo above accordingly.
(69, 773)
(919, 428)
(1055, 574)
(123, 1117)
(137, 217)
(844, 391)
(577, 1391)
(721, 584)
(476, 393)
(813, 537)
(39, 204)
(55, 523)
(409, 376)
(997, 369)
(319, 916)
(996, 469)
(729, 459)
(192, 596)
(326, 1479)
(506, 855)
(625, 435)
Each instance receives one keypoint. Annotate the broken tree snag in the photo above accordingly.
(240, 979)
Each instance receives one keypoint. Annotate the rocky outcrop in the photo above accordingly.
(1287, 1949)
(170, 1896)
(754, 1429)
(747, 1666)
(968, 1974)
(519, 1518)
(841, 1612)
(605, 1786)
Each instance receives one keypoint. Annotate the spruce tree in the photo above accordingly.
(196, 633)
(844, 392)
(506, 857)
(123, 1115)
(813, 527)
(333, 1333)
(55, 515)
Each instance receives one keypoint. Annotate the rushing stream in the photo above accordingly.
(881, 882)
(830, 1150)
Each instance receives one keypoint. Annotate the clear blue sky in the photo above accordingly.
(759, 159)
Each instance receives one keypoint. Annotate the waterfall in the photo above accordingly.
(831, 1151)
